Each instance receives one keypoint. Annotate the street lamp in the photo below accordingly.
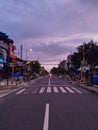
(30, 50)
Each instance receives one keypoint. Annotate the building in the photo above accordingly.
(6, 54)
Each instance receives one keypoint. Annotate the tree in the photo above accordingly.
(90, 50)
(58, 70)
(54, 70)
(35, 67)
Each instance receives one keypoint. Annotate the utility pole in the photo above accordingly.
(26, 55)
(12, 70)
(21, 48)
(83, 66)
(30, 50)
(83, 56)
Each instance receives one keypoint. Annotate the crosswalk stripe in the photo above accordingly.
(84, 90)
(49, 90)
(63, 90)
(78, 91)
(70, 90)
(55, 89)
(58, 90)
(42, 90)
(21, 91)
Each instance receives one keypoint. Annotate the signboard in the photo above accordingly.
(3, 45)
(1, 62)
(12, 49)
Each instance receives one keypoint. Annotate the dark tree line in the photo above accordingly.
(87, 50)
(90, 50)
(58, 70)
(35, 67)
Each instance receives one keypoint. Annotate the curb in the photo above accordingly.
(18, 87)
(88, 88)
(11, 86)
(15, 89)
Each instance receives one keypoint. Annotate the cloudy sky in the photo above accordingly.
(52, 28)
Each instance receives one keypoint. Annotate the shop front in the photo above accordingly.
(3, 58)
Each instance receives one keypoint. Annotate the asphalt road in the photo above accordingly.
(49, 104)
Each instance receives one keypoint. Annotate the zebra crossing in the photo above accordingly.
(52, 90)
(59, 89)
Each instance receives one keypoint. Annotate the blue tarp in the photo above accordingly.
(16, 75)
(95, 79)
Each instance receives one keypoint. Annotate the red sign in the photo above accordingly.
(12, 53)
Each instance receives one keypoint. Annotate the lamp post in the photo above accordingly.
(30, 50)
(26, 55)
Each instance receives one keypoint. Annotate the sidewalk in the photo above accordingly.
(5, 90)
(11, 87)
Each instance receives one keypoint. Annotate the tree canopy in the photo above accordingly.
(35, 66)
(90, 50)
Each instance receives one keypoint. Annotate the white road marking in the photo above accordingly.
(70, 90)
(49, 90)
(55, 89)
(21, 91)
(3, 95)
(46, 118)
(58, 85)
(49, 82)
(84, 90)
(78, 91)
(42, 90)
(63, 90)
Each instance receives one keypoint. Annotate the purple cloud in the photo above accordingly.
(60, 24)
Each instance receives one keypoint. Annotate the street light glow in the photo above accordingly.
(30, 49)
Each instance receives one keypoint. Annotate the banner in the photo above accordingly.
(12, 49)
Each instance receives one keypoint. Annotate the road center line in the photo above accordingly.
(46, 118)
(49, 82)
(21, 91)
